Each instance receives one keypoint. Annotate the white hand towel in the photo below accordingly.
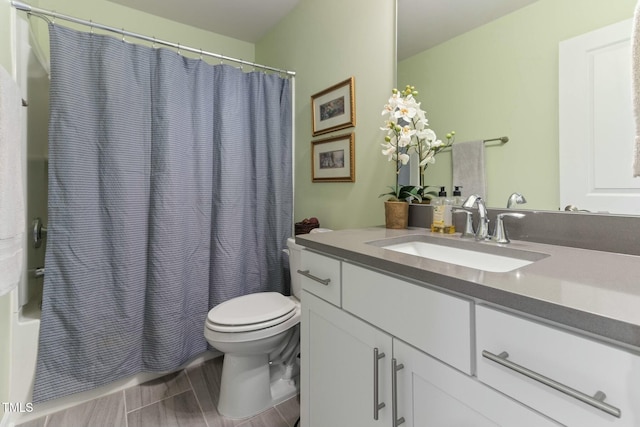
(12, 221)
(635, 83)
(468, 167)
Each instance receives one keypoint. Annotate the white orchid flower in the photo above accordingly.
(405, 113)
(430, 135)
(429, 158)
(390, 151)
(388, 109)
(395, 98)
(392, 104)
(407, 129)
(426, 135)
(406, 133)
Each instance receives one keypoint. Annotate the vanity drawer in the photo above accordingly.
(560, 360)
(432, 321)
(320, 275)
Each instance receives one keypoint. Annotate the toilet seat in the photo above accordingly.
(251, 312)
(234, 336)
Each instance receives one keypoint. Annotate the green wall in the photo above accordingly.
(325, 42)
(5, 35)
(502, 80)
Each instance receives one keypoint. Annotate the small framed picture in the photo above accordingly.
(333, 159)
(334, 108)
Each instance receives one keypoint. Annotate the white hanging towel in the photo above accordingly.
(635, 83)
(12, 221)
(468, 167)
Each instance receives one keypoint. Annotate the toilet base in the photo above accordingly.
(285, 382)
(249, 385)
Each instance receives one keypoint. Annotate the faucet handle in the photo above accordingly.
(500, 232)
(515, 198)
(468, 225)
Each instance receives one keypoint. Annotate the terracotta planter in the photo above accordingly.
(396, 214)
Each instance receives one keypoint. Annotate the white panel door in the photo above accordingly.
(596, 122)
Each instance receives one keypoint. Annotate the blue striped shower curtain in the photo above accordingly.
(170, 191)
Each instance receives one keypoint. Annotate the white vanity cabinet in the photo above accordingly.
(390, 349)
(339, 368)
(575, 380)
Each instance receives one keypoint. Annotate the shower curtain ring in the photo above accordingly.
(123, 36)
(200, 54)
(178, 48)
(154, 42)
(91, 26)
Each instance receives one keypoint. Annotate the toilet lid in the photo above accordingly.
(251, 309)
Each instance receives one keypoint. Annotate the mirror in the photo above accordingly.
(501, 79)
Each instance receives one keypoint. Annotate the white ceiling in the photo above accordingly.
(425, 23)
(421, 23)
(247, 20)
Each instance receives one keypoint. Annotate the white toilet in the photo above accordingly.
(259, 336)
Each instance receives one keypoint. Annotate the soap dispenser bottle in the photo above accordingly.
(438, 213)
(457, 196)
(442, 218)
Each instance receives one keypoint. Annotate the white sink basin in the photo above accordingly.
(466, 257)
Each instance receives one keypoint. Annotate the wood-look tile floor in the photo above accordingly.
(183, 399)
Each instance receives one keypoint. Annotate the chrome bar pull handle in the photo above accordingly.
(306, 273)
(596, 401)
(376, 405)
(395, 367)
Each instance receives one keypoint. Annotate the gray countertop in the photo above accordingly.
(592, 291)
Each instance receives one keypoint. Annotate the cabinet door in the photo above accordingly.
(432, 394)
(337, 368)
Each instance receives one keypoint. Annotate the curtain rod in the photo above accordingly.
(37, 11)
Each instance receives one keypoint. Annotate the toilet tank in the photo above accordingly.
(294, 266)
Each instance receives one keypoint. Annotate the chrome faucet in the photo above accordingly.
(499, 231)
(468, 223)
(573, 208)
(482, 232)
(515, 198)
